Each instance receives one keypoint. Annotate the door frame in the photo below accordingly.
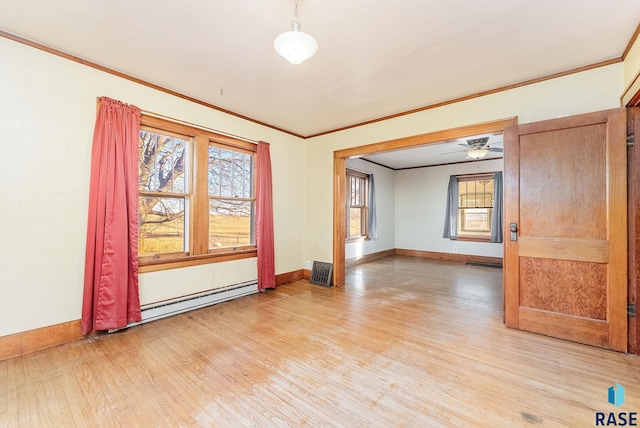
(340, 167)
(631, 100)
(633, 218)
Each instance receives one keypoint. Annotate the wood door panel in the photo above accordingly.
(563, 183)
(564, 287)
(565, 187)
(585, 250)
(568, 327)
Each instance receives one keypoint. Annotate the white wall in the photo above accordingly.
(385, 212)
(589, 91)
(47, 114)
(421, 197)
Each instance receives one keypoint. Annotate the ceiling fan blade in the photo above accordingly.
(495, 149)
(448, 153)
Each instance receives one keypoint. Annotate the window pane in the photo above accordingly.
(355, 221)
(355, 191)
(230, 223)
(475, 194)
(230, 173)
(162, 163)
(474, 220)
(161, 225)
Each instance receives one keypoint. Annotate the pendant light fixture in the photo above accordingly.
(295, 46)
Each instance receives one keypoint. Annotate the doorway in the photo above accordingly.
(608, 319)
(340, 166)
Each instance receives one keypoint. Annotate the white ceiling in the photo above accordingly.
(374, 59)
(445, 153)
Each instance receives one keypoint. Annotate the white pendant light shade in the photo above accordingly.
(295, 46)
(477, 153)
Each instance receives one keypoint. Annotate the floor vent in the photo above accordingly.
(168, 308)
(491, 265)
(321, 273)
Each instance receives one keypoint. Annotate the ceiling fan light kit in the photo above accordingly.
(295, 46)
(476, 148)
(477, 153)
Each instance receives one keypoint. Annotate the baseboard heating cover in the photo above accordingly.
(180, 305)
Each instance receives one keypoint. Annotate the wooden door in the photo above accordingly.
(565, 189)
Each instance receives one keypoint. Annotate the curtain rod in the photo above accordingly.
(204, 128)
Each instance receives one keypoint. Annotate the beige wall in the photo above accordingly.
(589, 91)
(47, 114)
(632, 63)
(632, 72)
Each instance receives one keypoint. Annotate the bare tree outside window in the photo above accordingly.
(164, 193)
(196, 195)
(231, 198)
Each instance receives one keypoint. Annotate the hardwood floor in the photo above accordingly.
(408, 342)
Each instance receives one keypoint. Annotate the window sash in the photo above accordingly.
(357, 204)
(197, 201)
(235, 192)
(473, 200)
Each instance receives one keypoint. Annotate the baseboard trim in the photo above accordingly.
(287, 277)
(452, 257)
(354, 261)
(26, 342)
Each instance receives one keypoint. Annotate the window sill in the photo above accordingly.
(357, 239)
(154, 265)
(474, 238)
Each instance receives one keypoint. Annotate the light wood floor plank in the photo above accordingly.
(408, 342)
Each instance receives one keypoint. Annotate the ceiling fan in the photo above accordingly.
(477, 148)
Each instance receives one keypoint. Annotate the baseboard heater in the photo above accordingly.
(180, 305)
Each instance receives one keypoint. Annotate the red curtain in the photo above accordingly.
(264, 220)
(111, 298)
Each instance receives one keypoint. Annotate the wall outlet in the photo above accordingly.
(307, 264)
(455, 249)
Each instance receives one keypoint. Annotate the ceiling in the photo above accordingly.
(374, 59)
(445, 153)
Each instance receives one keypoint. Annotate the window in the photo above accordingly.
(231, 198)
(475, 206)
(197, 195)
(357, 204)
(164, 192)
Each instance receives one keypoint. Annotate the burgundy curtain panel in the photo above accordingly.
(111, 297)
(264, 220)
